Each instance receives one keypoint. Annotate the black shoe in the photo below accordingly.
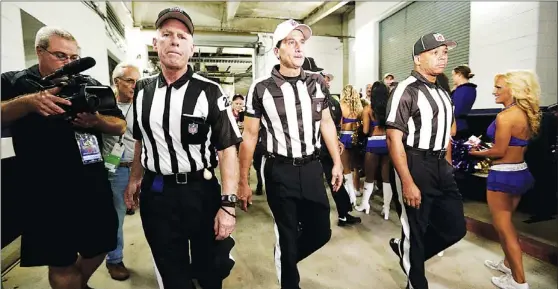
(395, 245)
(348, 220)
(259, 191)
(130, 211)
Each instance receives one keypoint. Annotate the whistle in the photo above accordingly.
(207, 174)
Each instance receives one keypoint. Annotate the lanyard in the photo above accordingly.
(125, 118)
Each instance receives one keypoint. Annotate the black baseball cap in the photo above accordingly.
(432, 41)
(175, 13)
(310, 65)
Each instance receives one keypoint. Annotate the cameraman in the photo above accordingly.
(73, 222)
(125, 77)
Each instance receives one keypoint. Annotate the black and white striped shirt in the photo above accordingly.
(182, 124)
(290, 109)
(423, 111)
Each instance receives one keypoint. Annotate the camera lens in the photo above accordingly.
(93, 102)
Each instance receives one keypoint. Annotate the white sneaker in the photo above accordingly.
(499, 266)
(506, 282)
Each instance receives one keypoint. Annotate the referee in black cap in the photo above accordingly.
(341, 197)
(292, 105)
(180, 121)
(419, 120)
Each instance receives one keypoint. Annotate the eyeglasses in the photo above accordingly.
(130, 81)
(62, 56)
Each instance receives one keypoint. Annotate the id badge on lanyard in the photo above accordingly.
(112, 161)
(89, 148)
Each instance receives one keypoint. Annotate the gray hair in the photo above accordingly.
(119, 69)
(42, 39)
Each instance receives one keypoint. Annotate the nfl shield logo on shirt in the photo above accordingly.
(192, 128)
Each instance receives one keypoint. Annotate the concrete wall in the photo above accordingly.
(546, 51)
(512, 35)
(367, 35)
(86, 26)
(350, 55)
(504, 36)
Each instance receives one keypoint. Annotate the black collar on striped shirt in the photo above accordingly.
(280, 79)
(420, 77)
(178, 83)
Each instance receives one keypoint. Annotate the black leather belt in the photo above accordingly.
(182, 178)
(297, 162)
(439, 154)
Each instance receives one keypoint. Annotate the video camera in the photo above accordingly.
(80, 90)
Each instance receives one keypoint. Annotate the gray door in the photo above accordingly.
(399, 32)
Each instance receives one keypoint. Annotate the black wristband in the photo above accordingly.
(223, 208)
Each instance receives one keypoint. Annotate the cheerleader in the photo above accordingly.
(509, 177)
(351, 109)
(374, 125)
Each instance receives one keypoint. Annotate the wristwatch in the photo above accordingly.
(229, 200)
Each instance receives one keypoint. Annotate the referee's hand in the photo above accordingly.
(411, 195)
(336, 177)
(131, 195)
(244, 195)
(224, 223)
(341, 147)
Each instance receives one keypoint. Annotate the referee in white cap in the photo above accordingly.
(292, 106)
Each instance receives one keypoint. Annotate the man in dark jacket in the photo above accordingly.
(66, 187)
(341, 197)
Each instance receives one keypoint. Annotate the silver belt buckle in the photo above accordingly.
(181, 178)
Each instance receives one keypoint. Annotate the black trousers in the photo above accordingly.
(178, 222)
(437, 224)
(297, 198)
(341, 197)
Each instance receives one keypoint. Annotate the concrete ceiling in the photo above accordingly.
(221, 26)
(244, 17)
(278, 10)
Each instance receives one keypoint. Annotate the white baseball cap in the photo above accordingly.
(285, 28)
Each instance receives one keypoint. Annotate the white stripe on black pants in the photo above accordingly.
(297, 198)
(437, 224)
